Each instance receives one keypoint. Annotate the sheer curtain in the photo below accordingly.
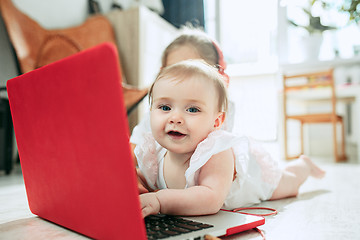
(246, 30)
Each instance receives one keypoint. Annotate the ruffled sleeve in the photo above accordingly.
(137, 136)
(147, 155)
(216, 142)
(270, 171)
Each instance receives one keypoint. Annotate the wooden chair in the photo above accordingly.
(303, 83)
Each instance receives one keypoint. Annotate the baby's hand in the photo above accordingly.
(149, 204)
(142, 186)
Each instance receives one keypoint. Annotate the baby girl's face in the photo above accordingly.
(183, 113)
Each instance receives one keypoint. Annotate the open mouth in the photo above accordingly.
(176, 134)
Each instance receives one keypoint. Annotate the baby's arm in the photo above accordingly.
(215, 180)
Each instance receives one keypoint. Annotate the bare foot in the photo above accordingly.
(315, 171)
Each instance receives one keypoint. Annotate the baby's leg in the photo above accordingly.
(294, 175)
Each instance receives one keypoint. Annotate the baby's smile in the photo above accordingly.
(176, 134)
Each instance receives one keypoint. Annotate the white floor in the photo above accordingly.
(324, 209)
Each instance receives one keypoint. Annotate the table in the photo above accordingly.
(316, 64)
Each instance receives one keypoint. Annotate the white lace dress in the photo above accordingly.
(257, 174)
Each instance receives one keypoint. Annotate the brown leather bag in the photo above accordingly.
(35, 46)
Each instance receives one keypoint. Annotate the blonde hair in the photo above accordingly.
(197, 39)
(189, 69)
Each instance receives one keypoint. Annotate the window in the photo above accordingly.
(246, 30)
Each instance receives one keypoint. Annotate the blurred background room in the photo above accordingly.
(262, 41)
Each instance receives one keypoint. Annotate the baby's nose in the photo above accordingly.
(176, 118)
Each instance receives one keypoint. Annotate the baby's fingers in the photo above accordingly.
(149, 204)
(146, 211)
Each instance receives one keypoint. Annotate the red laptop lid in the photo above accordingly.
(72, 134)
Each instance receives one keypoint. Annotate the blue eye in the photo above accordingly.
(193, 110)
(165, 108)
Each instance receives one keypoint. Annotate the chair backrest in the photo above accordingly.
(309, 81)
(36, 46)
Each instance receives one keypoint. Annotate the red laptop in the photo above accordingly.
(73, 140)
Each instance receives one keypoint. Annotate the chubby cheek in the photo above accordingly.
(156, 123)
(201, 128)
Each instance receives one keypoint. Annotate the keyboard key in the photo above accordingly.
(194, 223)
(180, 230)
(205, 226)
(190, 227)
(169, 233)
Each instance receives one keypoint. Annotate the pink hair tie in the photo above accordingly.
(221, 64)
(225, 76)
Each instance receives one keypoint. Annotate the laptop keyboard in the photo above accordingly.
(163, 226)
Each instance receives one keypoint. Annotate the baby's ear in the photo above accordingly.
(219, 120)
